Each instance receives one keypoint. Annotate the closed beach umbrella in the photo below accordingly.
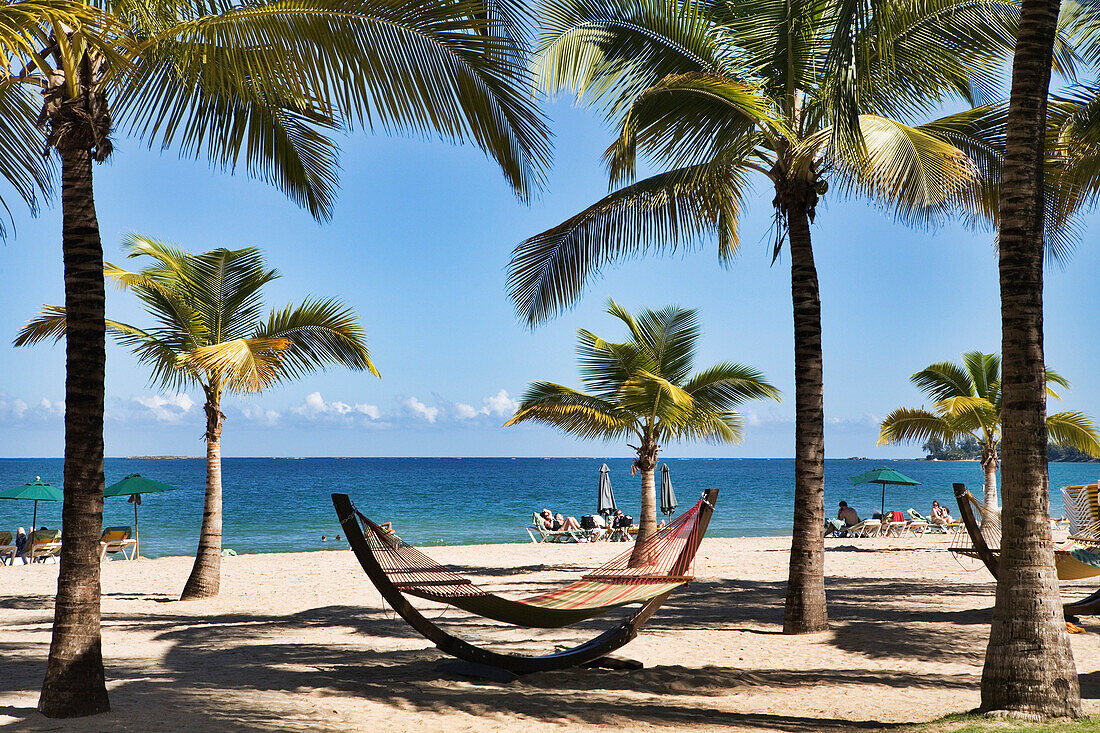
(883, 476)
(668, 496)
(605, 502)
(36, 492)
(134, 486)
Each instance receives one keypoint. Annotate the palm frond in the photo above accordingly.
(240, 365)
(725, 386)
(670, 335)
(1053, 377)
(320, 333)
(691, 119)
(942, 380)
(573, 412)
(985, 373)
(423, 66)
(30, 174)
(915, 174)
(49, 324)
(907, 425)
(605, 52)
(666, 212)
(1076, 430)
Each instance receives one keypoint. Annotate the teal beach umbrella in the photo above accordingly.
(36, 492)
(884, 476)
(134, 486)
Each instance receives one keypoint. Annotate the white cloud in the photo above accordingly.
(315, 406)
(418, 407)
(19, 407)
(261, 415)
(500, 404)
(465, 411)
(166, 407)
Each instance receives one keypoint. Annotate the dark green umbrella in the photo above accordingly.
(668, 496)
(36, 492)
(134, 486)
(884, 476)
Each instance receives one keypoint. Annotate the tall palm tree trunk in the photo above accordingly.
(205, 578)
(1028, 664)
(989, 463)
(805, 610)
(646, 463)
(74, 683)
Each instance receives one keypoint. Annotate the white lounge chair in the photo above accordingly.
(117, 539)
(866, 528)
(44, 543)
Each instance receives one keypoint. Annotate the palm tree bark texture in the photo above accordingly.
(805, 610)
(1029, 667)
(74, 684)
(205, 578)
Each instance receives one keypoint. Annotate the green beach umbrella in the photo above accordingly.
(36, 492)
(134, 486)
(883, 476)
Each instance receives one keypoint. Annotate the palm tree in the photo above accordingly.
(207, 307)
(968, 403)
(717, 93)
(644, 389)
(261, 82)
(1028, 663)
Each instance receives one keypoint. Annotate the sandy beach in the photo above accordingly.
(301, 642)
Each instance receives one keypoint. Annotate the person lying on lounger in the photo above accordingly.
(940, 515)
(561, 522)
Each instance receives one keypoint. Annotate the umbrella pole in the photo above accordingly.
(137, 545)
(882, 509)
(34, 522)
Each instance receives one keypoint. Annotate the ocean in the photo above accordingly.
(283, 505)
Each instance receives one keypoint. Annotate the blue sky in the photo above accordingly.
(419, 245)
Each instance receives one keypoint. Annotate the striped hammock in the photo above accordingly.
(668, 562)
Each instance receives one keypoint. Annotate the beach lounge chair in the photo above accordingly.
(117, 539)
(44, 543)
(7, 549)
(866, 528)
(930, 527)
(545, 534)
(893, 524)
(399, 570)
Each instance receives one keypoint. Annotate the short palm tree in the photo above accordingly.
(644, 389)
(260, 83)
(968, 402)
(208, 332)
(800, 95)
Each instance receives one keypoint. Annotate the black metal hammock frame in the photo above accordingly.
(398, 569)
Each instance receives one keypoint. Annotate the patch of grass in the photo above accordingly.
(968, 723)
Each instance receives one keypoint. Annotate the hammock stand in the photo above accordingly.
(435, 582)
(1067, 566)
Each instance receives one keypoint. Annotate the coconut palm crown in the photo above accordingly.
(967, 402)
(644, 389)
(802, 96)
(209, 332)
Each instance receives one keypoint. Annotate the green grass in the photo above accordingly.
(965, 723)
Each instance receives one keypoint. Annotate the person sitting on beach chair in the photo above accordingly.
(848, 514)
(940, 515)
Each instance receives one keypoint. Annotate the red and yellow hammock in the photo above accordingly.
(668, 563)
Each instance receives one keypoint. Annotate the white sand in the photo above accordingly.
(301, 642)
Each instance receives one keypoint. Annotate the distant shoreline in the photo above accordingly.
(163, 458)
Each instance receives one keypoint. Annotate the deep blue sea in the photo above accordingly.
(282, 504)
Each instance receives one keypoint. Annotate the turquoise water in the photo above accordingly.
(282, 504)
